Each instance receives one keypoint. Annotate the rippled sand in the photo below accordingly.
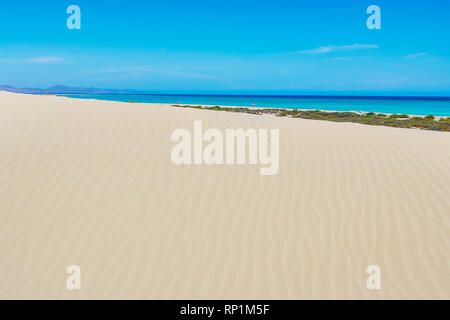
(91, 183)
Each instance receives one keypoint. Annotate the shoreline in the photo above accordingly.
(287, 108)
(361, 112)
(429, 122)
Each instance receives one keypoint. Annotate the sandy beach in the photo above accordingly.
(91, 183)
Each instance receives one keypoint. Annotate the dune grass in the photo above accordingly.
(379, 119)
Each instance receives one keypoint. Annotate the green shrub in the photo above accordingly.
(398, 116)
(393, 120)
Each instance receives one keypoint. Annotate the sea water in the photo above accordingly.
(438, 106)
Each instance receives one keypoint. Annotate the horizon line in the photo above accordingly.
(64, 90)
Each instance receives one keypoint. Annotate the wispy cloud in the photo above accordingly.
(45, 60)
(416, 55)
(331, 48)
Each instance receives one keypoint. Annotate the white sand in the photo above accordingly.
(91, 183)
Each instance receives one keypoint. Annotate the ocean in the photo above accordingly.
(438, 106)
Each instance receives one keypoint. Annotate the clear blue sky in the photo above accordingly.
(305, 46)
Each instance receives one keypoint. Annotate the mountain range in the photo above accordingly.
(61, 89)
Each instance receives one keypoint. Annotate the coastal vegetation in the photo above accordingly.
(393, 120)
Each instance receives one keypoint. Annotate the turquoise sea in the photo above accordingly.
(438, 106)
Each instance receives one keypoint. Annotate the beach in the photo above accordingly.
(411, 105)
(91, 183)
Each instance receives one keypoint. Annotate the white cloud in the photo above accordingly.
(416, 55)
(328, 49)
(45, 60)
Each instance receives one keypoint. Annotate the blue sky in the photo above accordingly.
(320, 46)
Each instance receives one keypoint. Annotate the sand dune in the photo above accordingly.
(91, 183)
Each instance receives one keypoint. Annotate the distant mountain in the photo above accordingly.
(61, 89)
